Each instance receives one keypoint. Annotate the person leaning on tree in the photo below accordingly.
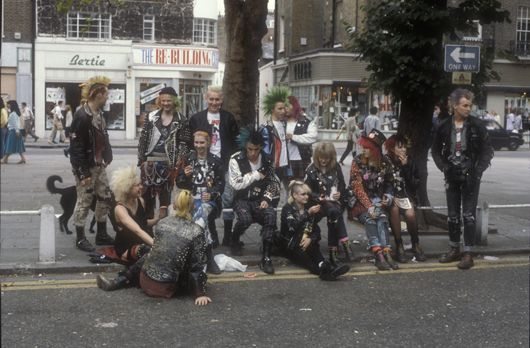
(462, 151)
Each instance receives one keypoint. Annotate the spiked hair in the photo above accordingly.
(276, 94)
(249, 135)
(93, 86)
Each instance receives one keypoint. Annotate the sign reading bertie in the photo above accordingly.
(462, 58)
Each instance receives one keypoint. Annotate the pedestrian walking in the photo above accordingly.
(4, 116)
(372, 121)
(29, 121)
(462, 151)
(352, 133)
(57, 123)
(14, 141)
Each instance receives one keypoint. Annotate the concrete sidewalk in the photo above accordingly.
(19, 251)
(19, 235)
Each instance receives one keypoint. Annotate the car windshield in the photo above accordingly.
(492, 125)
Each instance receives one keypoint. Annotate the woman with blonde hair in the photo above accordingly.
(178, 258)
(300, 235)
(133, 237)
(324, 177)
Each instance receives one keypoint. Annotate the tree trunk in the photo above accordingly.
(245, 27)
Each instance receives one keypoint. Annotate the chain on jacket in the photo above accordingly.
(178, 144)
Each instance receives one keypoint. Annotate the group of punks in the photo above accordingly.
(219, 168)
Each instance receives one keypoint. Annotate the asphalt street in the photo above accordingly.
(431, 306)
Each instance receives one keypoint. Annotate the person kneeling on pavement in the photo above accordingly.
(300, 235)
(176, 262)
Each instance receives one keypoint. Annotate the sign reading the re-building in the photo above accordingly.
(462, 58)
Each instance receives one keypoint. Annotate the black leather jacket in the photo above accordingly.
(229, 130)
(178, 254)
(215, 178)
(478, 152)
(246, 186)
(83, 145)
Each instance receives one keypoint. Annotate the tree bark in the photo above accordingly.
(245, 27)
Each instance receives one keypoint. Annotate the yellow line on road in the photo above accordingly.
(294, 274)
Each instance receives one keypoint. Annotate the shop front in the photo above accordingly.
(61, 66)
(189, 70)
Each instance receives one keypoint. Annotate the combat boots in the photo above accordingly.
(105, 284)
(102, 238)
(266, 262)
(211, 265)
(81, 242)
(213, 231)
(227, 236)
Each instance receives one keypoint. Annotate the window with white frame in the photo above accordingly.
(92, 26)
(205, 31)
(149, 28)
(522, 31)
(475, 34)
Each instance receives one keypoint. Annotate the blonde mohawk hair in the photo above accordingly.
(93, 85)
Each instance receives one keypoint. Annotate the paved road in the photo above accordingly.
(431, 306)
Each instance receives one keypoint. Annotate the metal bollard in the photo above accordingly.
(47, 234)
(481, 232)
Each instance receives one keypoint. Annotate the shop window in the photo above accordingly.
(522, 32)
(193, 96)
(149, 28)
(204, 31)
(70, 94)
(91, 26)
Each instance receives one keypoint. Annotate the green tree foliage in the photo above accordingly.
(402, 42)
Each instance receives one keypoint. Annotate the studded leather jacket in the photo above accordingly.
(178, 143)
(179, 250)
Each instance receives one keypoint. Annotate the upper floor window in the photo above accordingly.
(205, 31)
(522, 32)
(94, 26)
(149, 28)
(475, 34)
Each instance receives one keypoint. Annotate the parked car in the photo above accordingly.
(500, 137)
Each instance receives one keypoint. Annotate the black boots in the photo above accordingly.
(380, 261)
(401, 257)
(452, 255)
(266, 262)
(119, 282)
(389, 259)
(81, 242)
(102, 238)
(213, 231)
(348, 251)
(328, 272)
(227, 236)
(211, 266)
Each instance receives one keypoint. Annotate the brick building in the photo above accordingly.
(141, 45)
(328, 79)
(17, 26)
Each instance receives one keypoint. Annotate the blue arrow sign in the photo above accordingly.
(462, 58)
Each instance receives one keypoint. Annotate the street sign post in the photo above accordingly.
(462, 58)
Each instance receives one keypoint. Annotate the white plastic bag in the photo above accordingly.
(229, 264)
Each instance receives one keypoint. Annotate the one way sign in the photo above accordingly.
(462, 58)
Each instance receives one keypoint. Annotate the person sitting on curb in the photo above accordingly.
(300, 235)
(256, 190)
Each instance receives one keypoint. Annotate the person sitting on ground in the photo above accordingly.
(371, 186)
(324, 177)
(133, 237)
(203, 175)
(176, 261)
(256, 191)
(300, 235)
(405, 178)
(178, 257)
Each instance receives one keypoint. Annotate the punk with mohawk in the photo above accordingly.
(90, 154)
